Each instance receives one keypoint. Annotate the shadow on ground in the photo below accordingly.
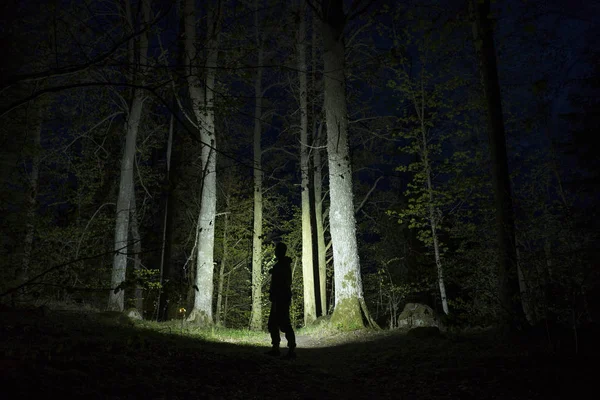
(70, 355)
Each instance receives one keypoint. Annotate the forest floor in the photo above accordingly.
(75, 355)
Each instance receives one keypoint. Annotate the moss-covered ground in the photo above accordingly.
(76, 355)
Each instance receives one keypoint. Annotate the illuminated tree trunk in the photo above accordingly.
(318, 180)
(203, 105)
(433, 221)
(256, 318)
(512, 312)
(321, 252)
(308, 280)
(224, 260)
(116, 301)
(348, 282)
(167, 225)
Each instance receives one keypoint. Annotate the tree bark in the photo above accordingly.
(308, 280)
(256, 319)
(116, 298)
(348, 282)
(167, 225)
(203, 105)
(137, 256)
(512, 316)
(319, 244)
(320, 230)
(224, 260)
(432, 214)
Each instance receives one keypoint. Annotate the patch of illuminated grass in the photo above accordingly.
(211, 334)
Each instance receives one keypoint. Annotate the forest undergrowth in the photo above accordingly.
(71, 354)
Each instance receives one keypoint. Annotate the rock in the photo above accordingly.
(134, 314)
(415, 314)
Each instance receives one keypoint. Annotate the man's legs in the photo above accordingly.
(286, 326)
(273, 327)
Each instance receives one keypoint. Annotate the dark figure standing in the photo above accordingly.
(280, 295)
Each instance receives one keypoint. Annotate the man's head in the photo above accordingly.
(280, 249)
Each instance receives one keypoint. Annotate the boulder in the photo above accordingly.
(134, 314)
(415, 315)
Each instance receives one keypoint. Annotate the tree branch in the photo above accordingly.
(367, 195)
(55, 72)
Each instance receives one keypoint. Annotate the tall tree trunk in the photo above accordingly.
(226, 305)
(319, 244)
(348, 282)
(308, 279)
(34, 121)
(224, 261)
(432, 214)
(137, 254)
(116, 299)
(203, 104)
(256, 319)
(320, 237)
(512, 312)
(524, 291)
(167, 225)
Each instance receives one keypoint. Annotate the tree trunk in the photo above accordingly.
(308, 280)
(348, 282)
(137, 253)
(524, 291)
(219, 309)
(226, 305)
(167, 225)
(432, 216)
(203, 104)
(116, 298)
(256, 319)
(319, 244)
(512, 312)
(320, 236)
(438, 260)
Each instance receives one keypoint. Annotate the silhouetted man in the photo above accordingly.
(280, 295)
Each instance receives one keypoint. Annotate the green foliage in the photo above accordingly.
(448, 187)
